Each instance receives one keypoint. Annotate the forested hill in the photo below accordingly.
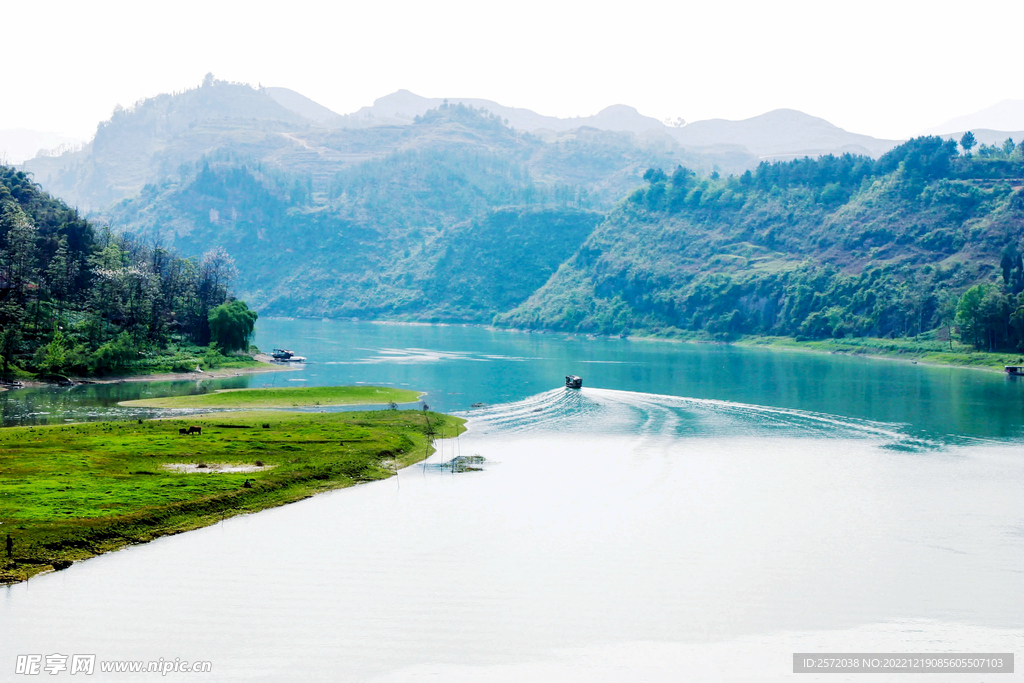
(921, 238)
(389, 237)
(73, 300)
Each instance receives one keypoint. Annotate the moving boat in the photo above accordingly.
(1014, 370)
(573, 382)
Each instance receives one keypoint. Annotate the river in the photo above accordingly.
(696, 512)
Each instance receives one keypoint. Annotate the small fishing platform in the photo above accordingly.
(286, 356)
(1014, 370)
(573, 382)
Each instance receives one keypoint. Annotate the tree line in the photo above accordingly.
(77, 300)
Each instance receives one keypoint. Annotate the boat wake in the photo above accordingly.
(606, 411)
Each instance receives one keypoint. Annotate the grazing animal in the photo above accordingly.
(195, 430)
(182, 430)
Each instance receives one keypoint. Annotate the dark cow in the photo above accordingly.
(195, 430)
(182, 431)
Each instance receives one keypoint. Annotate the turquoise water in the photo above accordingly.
(694, 513)
(461, 366)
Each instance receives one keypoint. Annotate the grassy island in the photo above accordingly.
(284, 397)
(71, 492)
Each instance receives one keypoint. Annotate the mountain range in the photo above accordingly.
(779, 133)
(282, 128)
(466, 211)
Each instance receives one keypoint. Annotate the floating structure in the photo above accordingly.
(1014, 370)
(286, 356)
(573, 382)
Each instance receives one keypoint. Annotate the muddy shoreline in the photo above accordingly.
(266, 365)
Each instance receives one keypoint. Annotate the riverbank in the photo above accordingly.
(232, 366)
(75, 491)
(282, 397)
(927, 351)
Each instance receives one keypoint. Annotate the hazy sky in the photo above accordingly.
(888, 69)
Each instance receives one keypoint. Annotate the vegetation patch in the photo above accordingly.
(924, 240)
(70, 492)
(78, 302)
(925, 349)
(284, 397)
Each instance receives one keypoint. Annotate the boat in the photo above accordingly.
(287, 356)
(1014, 370)
(573, 382)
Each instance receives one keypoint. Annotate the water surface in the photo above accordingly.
(695, 513)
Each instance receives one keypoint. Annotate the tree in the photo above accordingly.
(654, 175)
(53, 357)
(1006, 264)
(10, 338)
(231, 325)
(61, 274)
(968, 142)
(969, 315)
(1017, 322)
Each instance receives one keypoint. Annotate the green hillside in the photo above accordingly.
(832, 247)
(418, 235)
(445, 231)
(77, 301)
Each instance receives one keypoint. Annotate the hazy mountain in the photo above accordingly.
(283, 130)
(305, 107)
(19, 144)
(781, 134)
(139, 145)
(1007, 115)
(436, 230)
(403, 107)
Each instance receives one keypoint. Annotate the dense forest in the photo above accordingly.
(927, 237)
(74, 300)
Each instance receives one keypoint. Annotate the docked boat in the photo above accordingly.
(573, 382)
(287, 356)
(1014, 370)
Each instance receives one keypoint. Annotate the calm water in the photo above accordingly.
(695, 513)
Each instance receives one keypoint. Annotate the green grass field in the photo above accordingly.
(285, 397)
(74, 491)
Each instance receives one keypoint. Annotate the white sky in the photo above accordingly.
(885, 68)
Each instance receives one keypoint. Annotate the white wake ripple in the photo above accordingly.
(606, 411)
